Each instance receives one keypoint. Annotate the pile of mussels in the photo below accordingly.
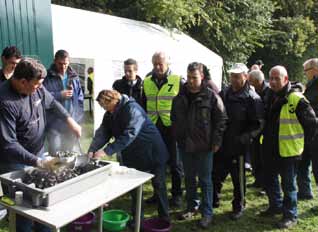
(45, 179)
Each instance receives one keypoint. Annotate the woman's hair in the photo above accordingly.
(108, 96)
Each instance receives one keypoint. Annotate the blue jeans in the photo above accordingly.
(23, 224)
(198, 164)
(304, 178)
(287, 169)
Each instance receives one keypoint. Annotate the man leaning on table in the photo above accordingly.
(23, 102)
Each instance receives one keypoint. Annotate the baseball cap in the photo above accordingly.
(238, 68)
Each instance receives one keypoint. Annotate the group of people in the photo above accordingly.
(164, 120)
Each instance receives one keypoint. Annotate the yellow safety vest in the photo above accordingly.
(159, 102)
(291, 133)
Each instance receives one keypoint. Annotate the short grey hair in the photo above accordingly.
(161, 54)
(281, 70)
(257, 75)
(311, 63)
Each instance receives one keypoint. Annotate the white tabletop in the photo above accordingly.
(64, 212)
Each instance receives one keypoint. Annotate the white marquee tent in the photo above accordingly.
(105, 41)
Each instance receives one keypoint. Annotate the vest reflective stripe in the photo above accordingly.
(159, 102)
(291, 133)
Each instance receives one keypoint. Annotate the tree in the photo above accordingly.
(293, 38)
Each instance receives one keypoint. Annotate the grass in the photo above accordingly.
(250, 222)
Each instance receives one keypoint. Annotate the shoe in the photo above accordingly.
(204, 222)
(235, 215)
(152, 200)
(187, 215)
(270, 212)
(304, 197)
(287, 223)
(176, 202)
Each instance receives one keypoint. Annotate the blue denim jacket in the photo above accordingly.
(54, 85)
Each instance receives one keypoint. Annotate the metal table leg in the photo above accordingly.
(100, 218)
(12, 220)
(138, 209)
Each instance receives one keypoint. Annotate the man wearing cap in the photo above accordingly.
(289, 117)
(245, 112)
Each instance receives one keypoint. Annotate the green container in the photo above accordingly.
(115, 220)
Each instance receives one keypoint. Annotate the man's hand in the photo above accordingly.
(48, 164)
(74, 126)
(66, 94)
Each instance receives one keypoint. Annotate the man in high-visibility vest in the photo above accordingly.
(160, 87)
(288, 117)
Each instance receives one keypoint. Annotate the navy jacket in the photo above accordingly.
(53, 83)
(136, 137)
(124, 87)
(245, 111)
(22, 123)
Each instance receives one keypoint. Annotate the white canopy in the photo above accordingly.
(106, 41)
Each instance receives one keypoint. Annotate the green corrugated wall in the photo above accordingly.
(27, 24)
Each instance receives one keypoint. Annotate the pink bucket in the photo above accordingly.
(156, 225)
(83, 223)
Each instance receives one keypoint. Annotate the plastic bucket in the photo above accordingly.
(156, 225)
(115, 220)
(83, 223)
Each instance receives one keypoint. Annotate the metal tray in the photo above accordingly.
(11, 182)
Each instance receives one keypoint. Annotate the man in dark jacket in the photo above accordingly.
(245, 112)
(289, 117)
(131, 83)
(304, 174)
(64, 84)
(199, 118)
(10, 57)
(136, 137)
(23, 102)
(257, 80)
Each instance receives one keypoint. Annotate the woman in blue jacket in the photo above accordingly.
(136, 137)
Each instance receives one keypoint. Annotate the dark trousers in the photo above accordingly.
(287, 169)
(23, 224)
(257, 162)
(223, 166)
(304, 177)
(314, 160)
(174, 162)
(159, 184)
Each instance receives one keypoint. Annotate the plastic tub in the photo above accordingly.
(156, 225)
(83, 223)
(115, 220)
